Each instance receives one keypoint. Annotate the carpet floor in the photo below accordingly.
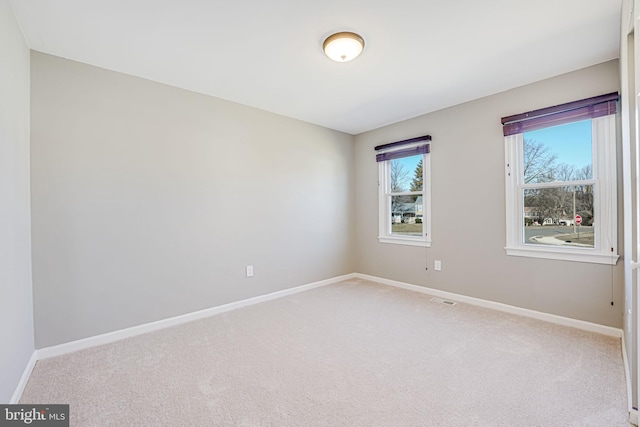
(354, 353)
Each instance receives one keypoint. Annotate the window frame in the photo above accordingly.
(385, 194)
(604, 181)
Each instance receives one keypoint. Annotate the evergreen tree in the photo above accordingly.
(416, 184)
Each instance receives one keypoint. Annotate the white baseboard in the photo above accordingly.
(560, 320)
(201, 314)
(189, 317)
(121, 334)
(17, 394)
(633, 416)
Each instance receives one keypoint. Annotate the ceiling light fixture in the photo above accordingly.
(343, 47)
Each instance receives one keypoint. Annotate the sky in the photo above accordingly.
(571, 142)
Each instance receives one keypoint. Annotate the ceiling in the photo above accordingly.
(420, 55)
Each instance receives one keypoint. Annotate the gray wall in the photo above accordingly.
(148, 201)
(16, 308)
(469, 209)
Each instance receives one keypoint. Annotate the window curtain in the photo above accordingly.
(589, 108)
(405, 148)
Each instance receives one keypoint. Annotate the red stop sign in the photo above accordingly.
(578, 219)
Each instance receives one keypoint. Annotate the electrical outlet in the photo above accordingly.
(249, 270)
(437, 265)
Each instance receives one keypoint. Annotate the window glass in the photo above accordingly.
(406, 215)
(406, 174)
(553, 155)
(550, 216)
(558, 153)
(404, 201)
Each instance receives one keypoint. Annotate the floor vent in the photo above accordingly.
(443, 301)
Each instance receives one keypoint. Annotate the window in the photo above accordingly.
(561, 182)
(404, 192)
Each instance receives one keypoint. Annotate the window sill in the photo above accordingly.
(404, 241)
(588, 256)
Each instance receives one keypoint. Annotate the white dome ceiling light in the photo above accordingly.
(343, 47)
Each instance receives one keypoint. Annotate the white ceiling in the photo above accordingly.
(420, 55)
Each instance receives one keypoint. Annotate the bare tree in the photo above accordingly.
(586, 172)
(564, 172)
(399, 177)
(564, 195)
(560, 202)
(584, 195)
(539, 162)
(540, 166)
(547, 201)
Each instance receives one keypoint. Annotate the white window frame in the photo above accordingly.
(605, 200)
(384, 203)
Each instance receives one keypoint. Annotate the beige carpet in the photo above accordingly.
(354, 354)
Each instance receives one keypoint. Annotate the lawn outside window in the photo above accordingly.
(404, 196)
(561, 182)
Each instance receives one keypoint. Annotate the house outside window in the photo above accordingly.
(404, 192)
(561, 182)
